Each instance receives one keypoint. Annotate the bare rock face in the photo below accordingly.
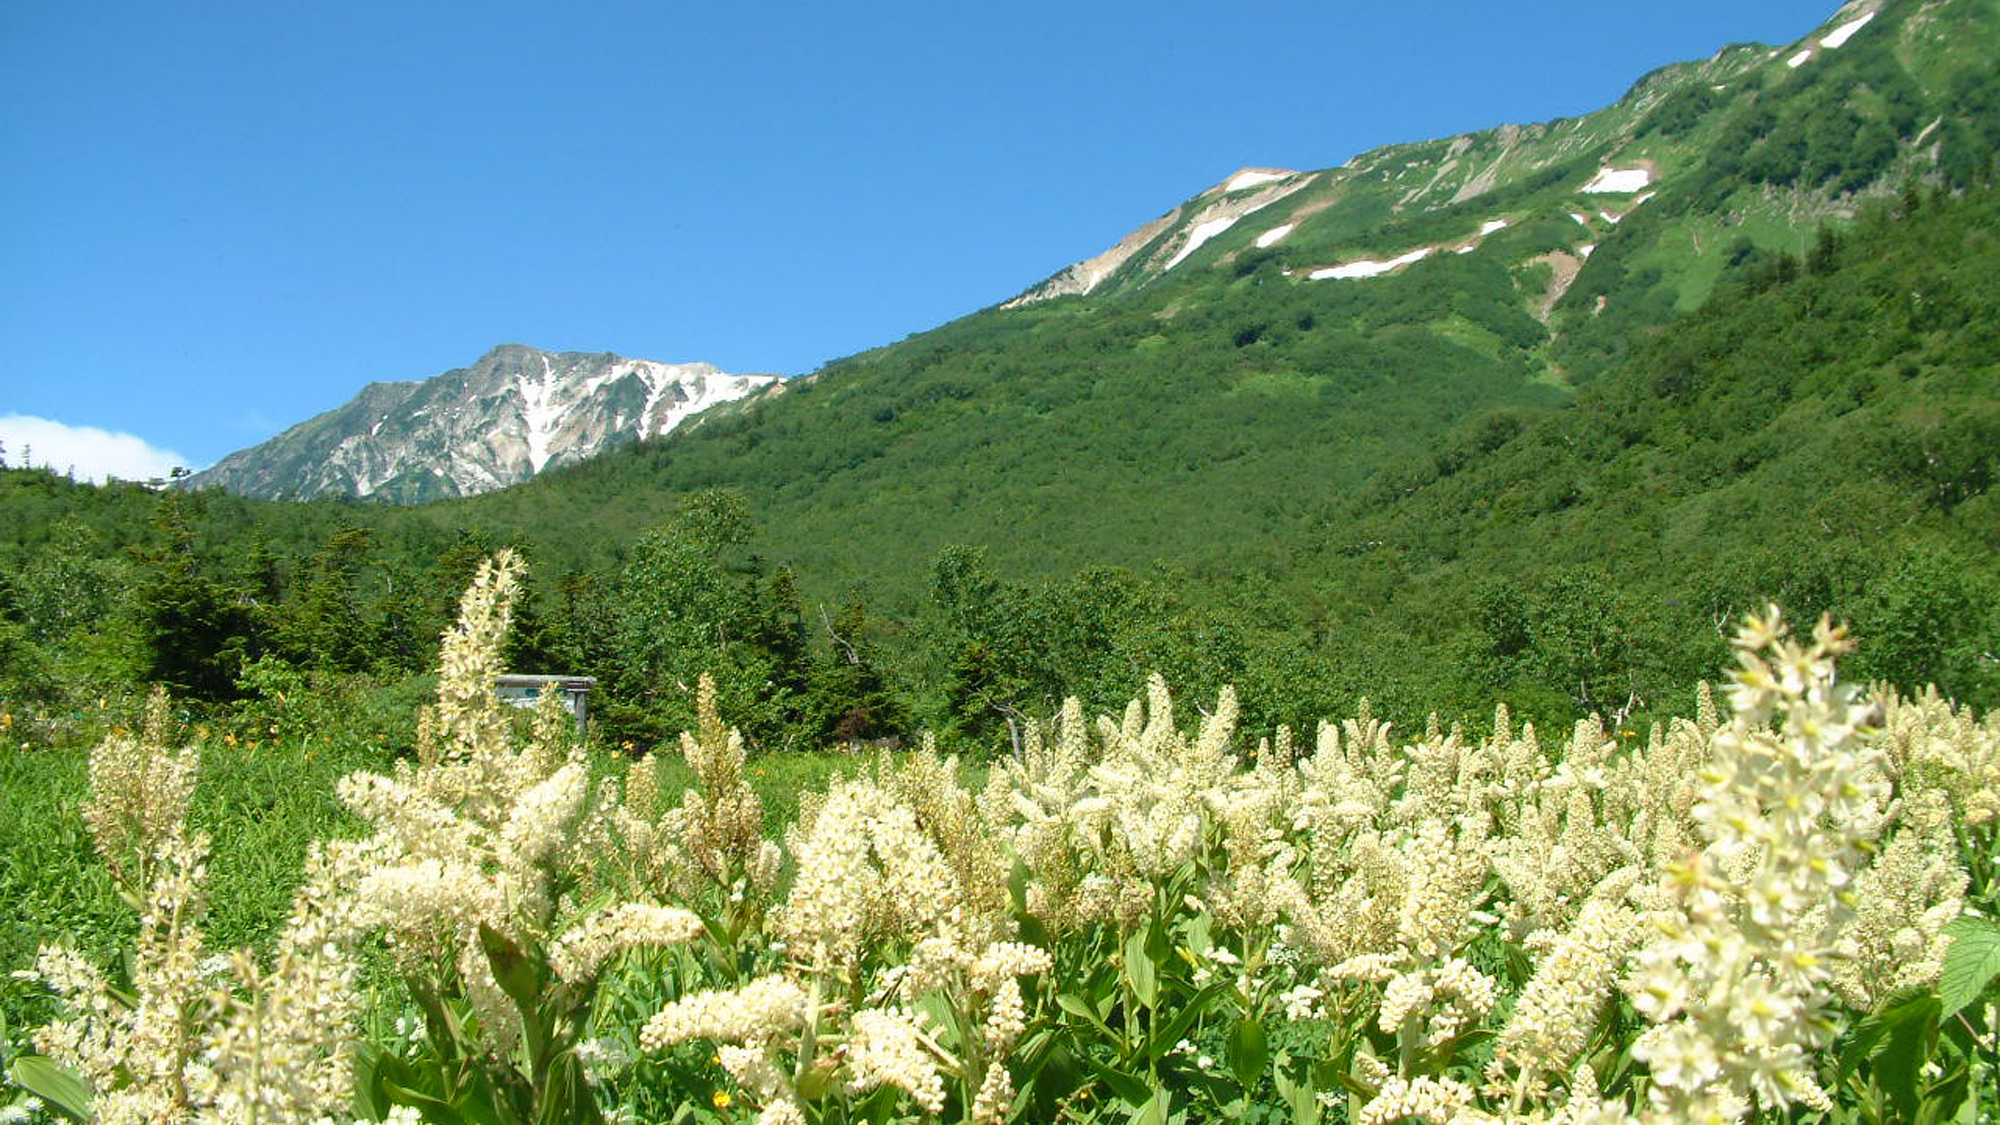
(514, 413)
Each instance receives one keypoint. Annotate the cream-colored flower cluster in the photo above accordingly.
(754, 1013)
(139, 792)
(1930, 743)
(713, 843)
(1556, 1011)
(1735, 874)
(867, 875)
(899, 906)
(478, 851)
(1737, 980)
(890, 1047)
(267, 1045)
(1911, 889)
(587, 944)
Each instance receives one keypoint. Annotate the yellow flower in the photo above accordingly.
(720, 1099)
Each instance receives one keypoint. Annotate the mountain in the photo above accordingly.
(1598, 387)
(511, 415)
(1213, 386)
(1754, 144)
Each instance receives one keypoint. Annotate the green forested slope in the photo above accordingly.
(1204, 406)
(1825, 433)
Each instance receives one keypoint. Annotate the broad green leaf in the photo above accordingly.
(369, 1104)
(1077, 1006)
(1034, 932)
(1248, 1051)
(1299, 1096)
(1171, 1032)
(1970, 964)
(1139, 970)
(569, 1100)
(61, 1089)
(815, 1083)
(435, 1111)
(1898, 1064)
(511, 968)
(879, 1107)
(1125, 1084)
(1154, 1112)
(1198, 934)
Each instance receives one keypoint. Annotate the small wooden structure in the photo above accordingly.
(527, 691)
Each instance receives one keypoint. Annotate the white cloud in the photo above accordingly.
(95, 454)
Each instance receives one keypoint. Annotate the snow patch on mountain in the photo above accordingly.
(539, 413)
(1251, 177)
(1275, 235)
(1088, 274)
(1168, 240)
(1200, 234)
(1368, 267)
(1618, 181)
(1799, 60)
(1840, 35)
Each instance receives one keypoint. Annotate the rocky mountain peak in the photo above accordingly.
(515, 412)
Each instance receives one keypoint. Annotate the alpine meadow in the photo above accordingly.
(1503, 630)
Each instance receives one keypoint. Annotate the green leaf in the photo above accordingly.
(1248, 1052)
(568, 1099)
(1126, 1085)
(511, 968)
(1034, 932)
(1171, 1032)
(60, 1088)
(434, 1110)
(1140, 971)
(369, 1105)
(1897, 1066)
(814, 1084)
(1970, 964)
(1198, 935)
(1077, 1006)
(1154, 1112)
(1299, 1096)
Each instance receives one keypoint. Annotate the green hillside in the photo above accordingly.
(1207, 412)
(1549, 468)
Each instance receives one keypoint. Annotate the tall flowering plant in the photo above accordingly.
(1739, 982)
(476, 875)
(185, 1037)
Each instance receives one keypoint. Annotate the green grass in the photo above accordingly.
(261, 809)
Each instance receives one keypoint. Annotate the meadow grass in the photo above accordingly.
(261, 807)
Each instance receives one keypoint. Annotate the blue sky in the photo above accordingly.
(221, 219)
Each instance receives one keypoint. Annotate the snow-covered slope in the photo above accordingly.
(514, 413)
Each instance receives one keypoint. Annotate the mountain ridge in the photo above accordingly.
(515, 412)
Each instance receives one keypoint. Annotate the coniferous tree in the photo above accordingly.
(192, 637)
